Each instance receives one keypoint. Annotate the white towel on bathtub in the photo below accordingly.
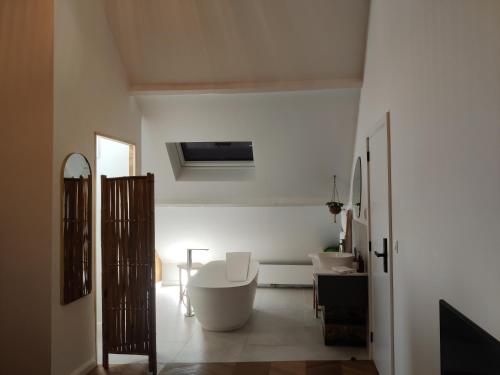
(237, 265)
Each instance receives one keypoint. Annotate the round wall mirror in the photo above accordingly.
(76, 262)
(76, 166)
(356, 189)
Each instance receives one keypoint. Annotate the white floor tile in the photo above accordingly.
(282, 328)
(208, 346)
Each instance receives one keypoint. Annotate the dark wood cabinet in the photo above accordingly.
(342, 304)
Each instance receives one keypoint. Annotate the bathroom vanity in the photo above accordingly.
(341, 301)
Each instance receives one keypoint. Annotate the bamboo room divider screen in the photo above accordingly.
(128, 267)
(77, 239)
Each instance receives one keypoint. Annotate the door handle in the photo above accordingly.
(383, 255)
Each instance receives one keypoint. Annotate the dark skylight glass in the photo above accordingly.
(217, 151)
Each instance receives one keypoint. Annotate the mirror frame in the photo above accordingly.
(71, 292)
(357, 202)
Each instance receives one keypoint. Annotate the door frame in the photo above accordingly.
(132, 172)
(132, 151)
(384, 121)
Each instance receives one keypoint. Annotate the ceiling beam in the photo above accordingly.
(241, 87)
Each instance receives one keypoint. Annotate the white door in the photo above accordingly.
(379, 186)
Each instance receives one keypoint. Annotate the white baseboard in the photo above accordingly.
(85, 368)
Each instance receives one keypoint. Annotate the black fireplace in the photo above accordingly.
(466, 349)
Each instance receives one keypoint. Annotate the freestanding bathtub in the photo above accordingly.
(221, 305)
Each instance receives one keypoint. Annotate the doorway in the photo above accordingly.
(114, 158)
(380, 231)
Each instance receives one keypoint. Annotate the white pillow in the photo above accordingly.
(237, 265)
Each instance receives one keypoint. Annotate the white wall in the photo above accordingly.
(435, 66)
(300, 140)
(272, 234)
(90, 95)
(25, 185)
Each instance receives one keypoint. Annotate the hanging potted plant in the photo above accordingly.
(335, 205)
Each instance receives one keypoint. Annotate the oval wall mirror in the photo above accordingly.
(357, 188)
(76, 257)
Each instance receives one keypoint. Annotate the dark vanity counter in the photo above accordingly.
(341, 301)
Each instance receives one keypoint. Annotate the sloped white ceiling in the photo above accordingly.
(165, 43)
(301, 139)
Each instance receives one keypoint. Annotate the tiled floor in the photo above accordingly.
(274, 368)
(282, 328)
(251, 368)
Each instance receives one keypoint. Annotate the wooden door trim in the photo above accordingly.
(384, 121)
(132, 150)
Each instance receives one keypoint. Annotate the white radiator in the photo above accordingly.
(285, 274)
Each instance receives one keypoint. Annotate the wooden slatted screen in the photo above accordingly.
(128, 267)
(77, 239)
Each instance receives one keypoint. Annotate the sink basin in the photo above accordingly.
(331, 259)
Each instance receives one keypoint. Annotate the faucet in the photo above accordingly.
(189, 309)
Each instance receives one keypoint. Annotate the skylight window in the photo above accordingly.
(216, 154)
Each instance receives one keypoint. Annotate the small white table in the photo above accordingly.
(181, 267)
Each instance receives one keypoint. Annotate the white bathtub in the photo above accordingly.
(221, 305)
